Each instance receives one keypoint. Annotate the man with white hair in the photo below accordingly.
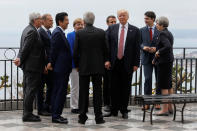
(124, 46)
(91, 59)
(31, 59)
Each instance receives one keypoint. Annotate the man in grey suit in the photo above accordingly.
(149, 34)
(31, 59)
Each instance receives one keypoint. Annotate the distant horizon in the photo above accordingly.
(187, 37)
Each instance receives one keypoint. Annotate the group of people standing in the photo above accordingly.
(92, 54)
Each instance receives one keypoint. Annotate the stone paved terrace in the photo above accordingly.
(11, 121)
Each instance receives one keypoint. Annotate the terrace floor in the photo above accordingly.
(11, 121)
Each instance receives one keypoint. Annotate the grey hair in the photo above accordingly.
(33, 16)
(89, 18)
(163, 21)
(44, 17)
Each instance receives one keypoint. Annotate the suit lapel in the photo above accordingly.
(44, 33)
(117, 34)
(156, 32)
(148, 34)
(64, 38)
(128, 33)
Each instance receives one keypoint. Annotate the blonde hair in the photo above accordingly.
(122, 11)
(76, 21)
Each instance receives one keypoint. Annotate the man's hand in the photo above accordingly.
(107, 65)
(135, 68)
(77, 69)
(49, 66)
(146, 48)
(45, 70)
(157, 54)
(152, 50)
(17, 61)
(153, 62)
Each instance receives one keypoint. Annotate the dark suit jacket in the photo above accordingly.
(46, 40)
(165, 47)
(90, 50)
(61, 58)
(31, 51)
(132, 46)
(146, 57)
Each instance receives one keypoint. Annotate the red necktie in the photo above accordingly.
(151, 34)
(121, 44)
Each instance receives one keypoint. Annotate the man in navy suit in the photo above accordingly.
(61, 63)
(45, 35)
(149, 35)
(124, 45)
(107, 76)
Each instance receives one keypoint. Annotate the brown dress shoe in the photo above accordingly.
(146, 107)
(157, 107)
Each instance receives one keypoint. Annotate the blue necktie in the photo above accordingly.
(49, 33)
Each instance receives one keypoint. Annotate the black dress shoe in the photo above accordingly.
(107, 108)
(60, 120)
(31, 118)
(44, 113)
(82, 120)
(100, 121)
(35, 116)
(75, 111)
(63, 118)
(109, 114)
(125, 116)
(128, 110)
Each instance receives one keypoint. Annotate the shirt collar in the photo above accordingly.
(153, 27)
(126, 25)
(34, 27)
(44, 28)
(61, 28)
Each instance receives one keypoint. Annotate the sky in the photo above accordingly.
(182, 14)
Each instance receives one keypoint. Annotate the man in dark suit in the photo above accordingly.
(124, 45)
(31, 60)
(61, 63)
(149, 34)
(107, 77)
(44, 104)
(91, 58)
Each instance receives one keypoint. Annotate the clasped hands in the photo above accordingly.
(149, 49)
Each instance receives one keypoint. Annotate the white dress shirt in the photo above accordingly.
(45, 29)
(61, 28)
(125, 34)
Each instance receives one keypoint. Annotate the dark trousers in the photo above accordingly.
(165, 75)
(59, 93)
(44, 102)
(84, 82)
(106, 88)
(121, 87)
(32, 82)
(148, 71)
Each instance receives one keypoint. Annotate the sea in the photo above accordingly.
(13, 40)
